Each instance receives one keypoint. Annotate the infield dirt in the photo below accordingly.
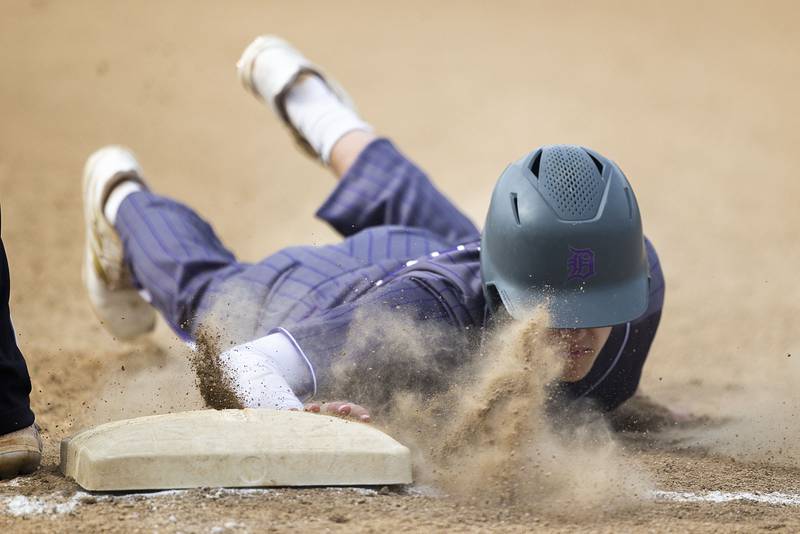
(696, 101)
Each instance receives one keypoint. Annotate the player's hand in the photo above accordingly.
(347, 410)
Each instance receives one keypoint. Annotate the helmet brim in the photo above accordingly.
(602, 306)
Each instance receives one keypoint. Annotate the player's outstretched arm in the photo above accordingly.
(271, 372)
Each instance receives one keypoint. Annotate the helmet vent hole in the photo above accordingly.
(597, 164)
(515, 208)
(535, 164)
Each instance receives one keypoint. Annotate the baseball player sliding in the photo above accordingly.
(563, 230)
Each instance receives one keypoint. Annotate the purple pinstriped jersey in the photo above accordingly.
(406, 247)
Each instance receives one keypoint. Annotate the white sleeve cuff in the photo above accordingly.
(270, 372)
(292, 362)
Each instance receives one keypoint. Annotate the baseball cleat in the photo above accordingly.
(20, 452)
(269, 67)
(115, 299)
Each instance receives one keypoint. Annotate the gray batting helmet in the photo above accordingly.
(564, 230)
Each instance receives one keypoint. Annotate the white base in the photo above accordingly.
(233, 448)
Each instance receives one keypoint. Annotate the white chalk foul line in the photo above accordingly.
(56, 504)
(716, 497)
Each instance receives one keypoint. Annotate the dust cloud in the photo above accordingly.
(477, 421)
(161, 374)
(147, 379)
(232, 318)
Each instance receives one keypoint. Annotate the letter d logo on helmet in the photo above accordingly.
(564, 230)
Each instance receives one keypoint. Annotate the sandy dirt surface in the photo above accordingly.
(696, 101)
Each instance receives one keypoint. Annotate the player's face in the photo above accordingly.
(580, 347)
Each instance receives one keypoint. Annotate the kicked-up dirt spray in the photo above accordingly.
(486, 434)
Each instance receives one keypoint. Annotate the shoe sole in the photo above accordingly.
(244, 66)
(17, 463)
(90, 257)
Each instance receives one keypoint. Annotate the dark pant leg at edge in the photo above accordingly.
(15, 384)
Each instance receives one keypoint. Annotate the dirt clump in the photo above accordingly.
(215, 386)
